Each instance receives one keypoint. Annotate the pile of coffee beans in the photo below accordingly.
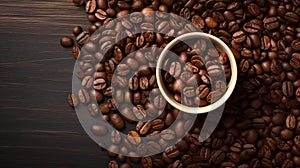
(260, 126)
(199, 76)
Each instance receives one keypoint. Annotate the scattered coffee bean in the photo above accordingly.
(66, 42)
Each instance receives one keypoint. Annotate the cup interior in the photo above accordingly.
(220, 46)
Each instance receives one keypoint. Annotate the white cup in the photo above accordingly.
(220, 46)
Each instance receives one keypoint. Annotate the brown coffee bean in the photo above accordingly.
(271, 23)
(113, 164)
(83, 96)
(291, 121)
(66, 41)
(211, 22)
(139, 112)
(296, 45)
(99, 84)
(134, 138)
(239, 37)
(101, 14)
(115, 137)
(99, 129)
(291, 17)
(218, 157)
(117, 121)
(167, 134)
(288, 89)
(147, 162)
(90, 6)
(72, 100)
(145, 128)
(82, 37)
(157, 124)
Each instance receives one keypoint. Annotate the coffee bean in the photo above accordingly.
(66, 41)
(291, 17)
(211, 22)
(218, 157)
(102, 4)
(82, 37)
(239, 37)
(72, 100)
(157, 124)
(144, 83)
(175, 69)
(101, 14)
(167, 134)
(139, 112)
(287, 89)
(134, 138)
(271, 23)
(147, 162)
(214, 70)
(77, 30)
(117, 121)
(198, 21)
(145, 128)
(83, 96)
(93, 109)
(99, 129)
(113, 164)
(252, 27)
(296, 45)
(99, 84)
(115, 137)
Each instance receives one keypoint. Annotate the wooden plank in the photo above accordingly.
(37, 127)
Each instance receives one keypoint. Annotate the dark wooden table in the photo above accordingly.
(37, 127)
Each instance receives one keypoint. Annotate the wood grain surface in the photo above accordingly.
(37, 127)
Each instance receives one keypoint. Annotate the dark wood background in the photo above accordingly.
(37, 127)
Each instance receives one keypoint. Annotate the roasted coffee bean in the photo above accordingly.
(218, 157)
(189, 91)
(287, 89)
(157, 124)
(99, 84)
(93, 109)
(66, 41)
(134, 138)
(72, 100)
(145, 128)
(211, 22)
(117, 121)
(82, 37)
(271, 23)
(291, 121)
(101, 14)
(90, 6)
(291, 17)
(239, 37)
(99, 129)
(167, 134)
(113, 164)
(115, 137)
(139, 112)
(144, 83)
(175, 69)
(83, 96)
(147, 162)
(153, 147)
(296, 45)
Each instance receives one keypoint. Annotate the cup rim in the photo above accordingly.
(230, 86)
